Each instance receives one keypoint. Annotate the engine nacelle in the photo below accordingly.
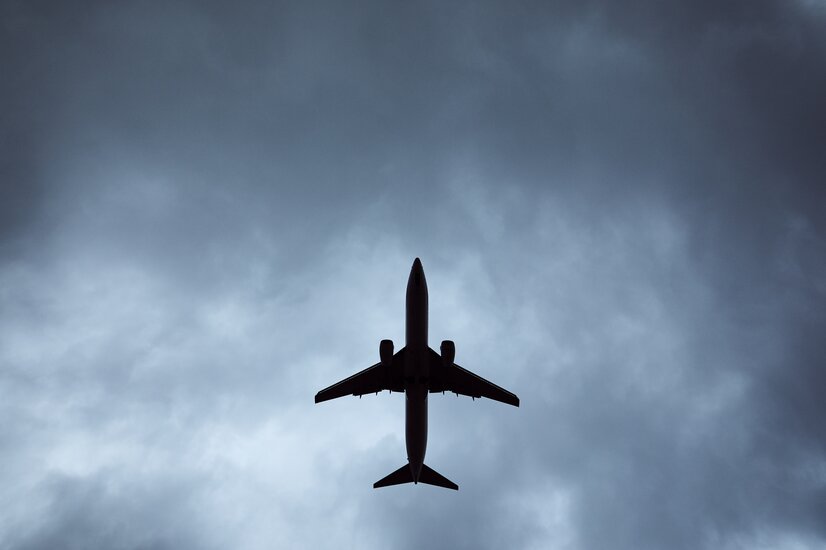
(386, 352)
(448, 350)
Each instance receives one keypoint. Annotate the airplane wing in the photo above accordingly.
(462, 381)
(371, 380)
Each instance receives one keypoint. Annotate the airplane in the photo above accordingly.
(416, 370)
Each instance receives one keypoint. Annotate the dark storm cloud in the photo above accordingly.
(110, 511)
(209, 212)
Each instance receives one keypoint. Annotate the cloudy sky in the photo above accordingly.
(209, 213)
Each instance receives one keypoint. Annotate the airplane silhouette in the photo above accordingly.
(416, 370)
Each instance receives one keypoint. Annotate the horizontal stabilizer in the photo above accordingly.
(432, 477)
(402, 475)
(427, 475)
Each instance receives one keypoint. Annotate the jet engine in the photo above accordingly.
(386, 353)
(448, 350)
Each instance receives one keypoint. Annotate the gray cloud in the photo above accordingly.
(209, 214)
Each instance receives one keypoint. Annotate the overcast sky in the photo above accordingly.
(209, 212)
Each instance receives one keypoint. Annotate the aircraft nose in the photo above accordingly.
(416, 272)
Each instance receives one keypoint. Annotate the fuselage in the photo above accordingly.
(416, 369)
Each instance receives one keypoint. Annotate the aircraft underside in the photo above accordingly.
(417, 370)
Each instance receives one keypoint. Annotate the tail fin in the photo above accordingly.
(427, 475)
